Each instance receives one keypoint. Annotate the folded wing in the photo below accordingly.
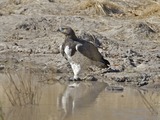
(89, 51)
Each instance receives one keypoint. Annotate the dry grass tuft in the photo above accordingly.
(144, 12)
(22, 89)
(102, 7)
(106, 7)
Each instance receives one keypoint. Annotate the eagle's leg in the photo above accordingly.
(76, 70)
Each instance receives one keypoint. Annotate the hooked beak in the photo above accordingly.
(59, 29)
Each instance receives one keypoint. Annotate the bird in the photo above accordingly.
(80, 53)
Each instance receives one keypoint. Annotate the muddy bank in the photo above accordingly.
(127, 34)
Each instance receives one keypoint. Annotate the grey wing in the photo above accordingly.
(89, 50)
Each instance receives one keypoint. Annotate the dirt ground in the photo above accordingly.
(127, 33)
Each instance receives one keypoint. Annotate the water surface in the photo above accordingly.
(85, 101)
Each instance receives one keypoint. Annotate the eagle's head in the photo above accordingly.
(67, 31)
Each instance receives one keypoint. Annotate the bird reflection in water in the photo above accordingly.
(78, 95)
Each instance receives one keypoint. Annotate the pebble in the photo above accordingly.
(115, 88)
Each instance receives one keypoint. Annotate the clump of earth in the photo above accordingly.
(127, 33)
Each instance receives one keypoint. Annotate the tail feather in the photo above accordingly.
(106, 62)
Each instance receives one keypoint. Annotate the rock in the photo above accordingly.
(55, 51)
(144, 81)
(123, 79)
(115, 88)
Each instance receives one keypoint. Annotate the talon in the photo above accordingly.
(78, 79)
(75, 79)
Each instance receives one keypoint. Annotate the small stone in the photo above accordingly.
(120, 79)
(115, 88)
(142, 83)
(55, 51)
(51, 0)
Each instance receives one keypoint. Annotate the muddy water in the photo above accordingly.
(85, 101)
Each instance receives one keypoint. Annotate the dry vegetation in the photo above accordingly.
(22, 88)
(102, 7)
(91, 7)
(113, 8)
(144, 12)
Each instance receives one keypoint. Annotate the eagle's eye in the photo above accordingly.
(63, 29)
